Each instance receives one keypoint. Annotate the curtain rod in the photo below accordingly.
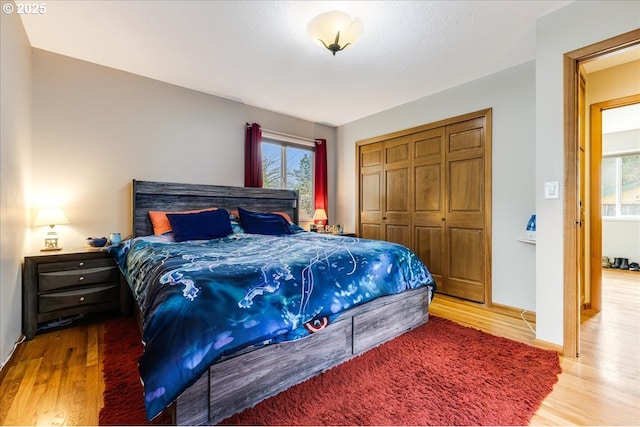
(286, 135)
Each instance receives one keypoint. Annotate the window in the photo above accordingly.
(621, 185)
(289, 166)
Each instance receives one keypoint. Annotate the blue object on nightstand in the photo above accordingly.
(97, 242)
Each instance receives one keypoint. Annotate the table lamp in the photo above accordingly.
(320, 216)
(51, 217)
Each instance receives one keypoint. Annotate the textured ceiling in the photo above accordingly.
(258, 52)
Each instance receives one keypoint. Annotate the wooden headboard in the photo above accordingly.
(168, 196)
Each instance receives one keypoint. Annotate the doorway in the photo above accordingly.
(574, 247)
(611, 119)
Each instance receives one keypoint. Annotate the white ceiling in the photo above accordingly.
(258, 52)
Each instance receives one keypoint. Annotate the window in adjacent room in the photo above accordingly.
(621, 185)
(289, 164)
(621, 162)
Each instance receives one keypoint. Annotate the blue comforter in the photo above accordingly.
(202, 300)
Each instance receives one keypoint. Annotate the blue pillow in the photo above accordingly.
(204, 225)
(296, 228)
(264, 223)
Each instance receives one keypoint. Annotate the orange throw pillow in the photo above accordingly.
(285, 215)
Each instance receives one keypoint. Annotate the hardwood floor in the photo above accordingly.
(56, 379)
(602, 386)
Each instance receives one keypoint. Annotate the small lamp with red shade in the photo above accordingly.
(319, 219)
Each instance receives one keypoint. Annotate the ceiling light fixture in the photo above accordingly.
(335, 30)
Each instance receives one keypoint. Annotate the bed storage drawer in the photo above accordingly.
(273, 369)
(370, 329)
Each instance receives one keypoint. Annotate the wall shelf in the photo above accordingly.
(530, 241)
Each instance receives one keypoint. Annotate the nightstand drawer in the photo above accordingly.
(78, 297)
(75, 265)
(85, 276)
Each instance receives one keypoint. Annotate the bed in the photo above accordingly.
(265, 322)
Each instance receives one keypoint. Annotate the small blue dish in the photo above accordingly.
(97, 242)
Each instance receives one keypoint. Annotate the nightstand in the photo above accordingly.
(64, 284)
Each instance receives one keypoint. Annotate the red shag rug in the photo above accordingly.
(441, 373)
(123, 394)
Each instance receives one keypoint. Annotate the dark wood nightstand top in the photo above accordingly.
(90, 252)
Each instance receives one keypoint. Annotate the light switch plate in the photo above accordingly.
(551, 190)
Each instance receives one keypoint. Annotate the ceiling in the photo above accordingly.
(258, 52)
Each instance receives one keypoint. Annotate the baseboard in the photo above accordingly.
(548, 346)
(529, 316)
(3, 371)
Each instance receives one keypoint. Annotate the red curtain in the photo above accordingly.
(252, 156)
(320, 176)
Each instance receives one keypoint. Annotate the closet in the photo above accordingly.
(429, 188)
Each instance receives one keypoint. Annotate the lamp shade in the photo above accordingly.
(335, 30)
(320, 215)
(51, 217)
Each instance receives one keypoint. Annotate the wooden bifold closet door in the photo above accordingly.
(385, 193)
(429, 188)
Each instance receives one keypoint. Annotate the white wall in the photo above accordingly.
(15, 149)
(621, 236)
(511, 95)
(575, 26)
(623, 141)
(621, 239)
(95, 129)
